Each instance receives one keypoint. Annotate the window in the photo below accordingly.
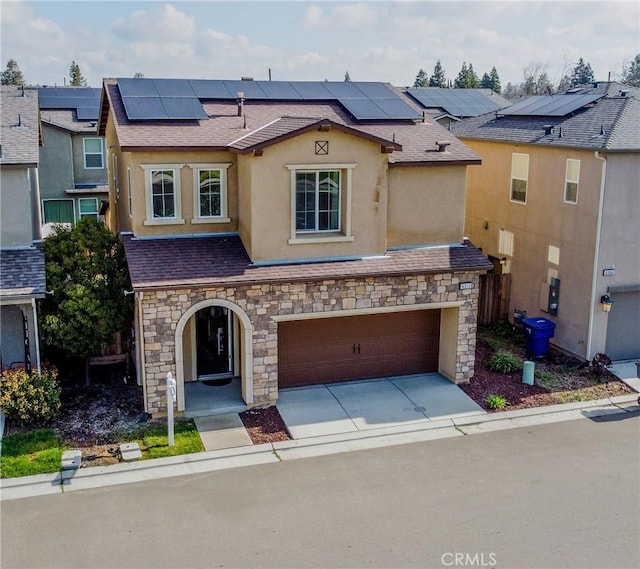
(93, 153)
(58, 211)
(129, 197)
(571, 181)
(519, 175)
(318, 201)
(116, 182)
(88, 207)
(210, 193)
(163, 194)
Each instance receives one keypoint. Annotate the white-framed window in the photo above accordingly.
(572, 178)
(519, 177)
(58, 211)
(163, 195)
(129, 196)
(210, 193)
(116, 182)
(93, 153)
(321, 202)
(87, 207)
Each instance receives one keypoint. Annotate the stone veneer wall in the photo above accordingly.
(162, 309)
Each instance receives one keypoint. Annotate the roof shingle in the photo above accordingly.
(22, 272)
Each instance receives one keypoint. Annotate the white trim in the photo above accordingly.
(36, 334)
(177, 191)
(567, 181)
(320, 239)
(321, 166)
(129, 194)
(222, 168)
(512, 177)
(254, 131)
(246, 346)
(364, 311)
(96, 212)
(84, 153)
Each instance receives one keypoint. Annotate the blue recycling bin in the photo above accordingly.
(537, 332)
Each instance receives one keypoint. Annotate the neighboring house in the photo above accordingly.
(447, 106)
(287, 234)
(73, 168)
(22, 275)
(556, 203)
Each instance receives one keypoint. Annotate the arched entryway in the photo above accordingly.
(213, 343)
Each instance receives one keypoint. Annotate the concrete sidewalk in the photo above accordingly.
(622, 407)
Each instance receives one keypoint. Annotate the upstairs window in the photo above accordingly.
(210, 193)
(163, 194)
(163, 199)
(93, 153)
(572, 178)
(519, 176)
(88, 207)
(318, 201)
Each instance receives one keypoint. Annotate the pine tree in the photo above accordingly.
(347, 77)
(438, 78)
(582, 73)
(631, 74)
(421, 79)
(76, 77)
(461, 80)
(495, 81)
(12, 74)
(473, 82)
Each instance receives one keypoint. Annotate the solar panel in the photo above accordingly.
(251, 89)
(312, 90)
(173, 88)
(343, 90)
(375, 90)
(550, 105)
(396, 109)
(183, 108)
(87, 113)
(456, 102)
(280, 90)
(144, 108)
(211, 89)
(137, 88)
(363, 109)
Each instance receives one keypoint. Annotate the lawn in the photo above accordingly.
(35, 452)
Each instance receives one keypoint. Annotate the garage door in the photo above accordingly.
(623, 328)
(357, 347)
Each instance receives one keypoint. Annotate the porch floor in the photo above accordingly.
(203, 400)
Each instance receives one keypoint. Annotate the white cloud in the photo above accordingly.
(159, 24)
(344, 16)
(313, 17)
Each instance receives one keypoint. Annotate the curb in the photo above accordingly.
(209, 461)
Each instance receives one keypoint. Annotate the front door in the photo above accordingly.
(213, 338)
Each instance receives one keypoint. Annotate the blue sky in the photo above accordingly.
(300, 40)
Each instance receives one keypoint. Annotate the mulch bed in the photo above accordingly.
(264, 425)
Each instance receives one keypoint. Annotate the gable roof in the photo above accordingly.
(19, 126)
(223, 260)
(264, 122)
(605, 119)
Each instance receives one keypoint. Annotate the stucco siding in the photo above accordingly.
(16, 193)
(56, 163)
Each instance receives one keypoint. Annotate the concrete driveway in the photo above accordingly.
(372, 404)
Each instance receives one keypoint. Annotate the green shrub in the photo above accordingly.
(30, 400)
(504, 362)
(496, 401)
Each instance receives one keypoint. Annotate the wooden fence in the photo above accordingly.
(493, 304)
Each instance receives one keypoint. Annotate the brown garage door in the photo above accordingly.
(357, 347)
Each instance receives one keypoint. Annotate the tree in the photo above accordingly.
(536, 80)
(467, 78)
(438, 79)
(12, 74)
(495, 81)
(76, 77)
(631, 73)
(347, 77)
(582, 73)
(138, 75)
(86, 269)
(421, 79)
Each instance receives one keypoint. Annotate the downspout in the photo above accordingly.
(140, 363)
(596, 256)
(36, 333)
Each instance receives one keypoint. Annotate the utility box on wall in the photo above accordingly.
(550, 297)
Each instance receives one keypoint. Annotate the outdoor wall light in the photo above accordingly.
(607, 302)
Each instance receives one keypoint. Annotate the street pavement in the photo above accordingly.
(563, 494)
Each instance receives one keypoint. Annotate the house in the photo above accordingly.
(555, 204)
(447, 106)
(287, 234)
(73, 170)
(22, 274)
